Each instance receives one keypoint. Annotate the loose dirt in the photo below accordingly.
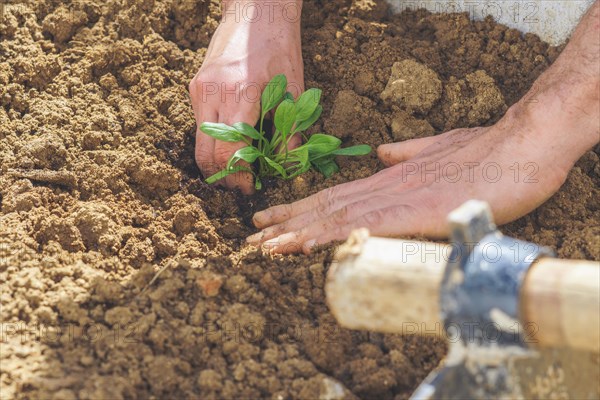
(124, 276)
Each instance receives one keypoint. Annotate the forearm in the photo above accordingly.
(566, 98)
(262, 21)
(272, 11)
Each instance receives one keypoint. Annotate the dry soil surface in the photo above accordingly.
(99, 192)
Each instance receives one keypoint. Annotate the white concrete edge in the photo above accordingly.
(552, 20)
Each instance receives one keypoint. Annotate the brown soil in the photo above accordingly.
(99, 192)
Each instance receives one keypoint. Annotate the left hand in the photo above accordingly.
(508, 165)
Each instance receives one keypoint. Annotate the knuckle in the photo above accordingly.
(298, 238)
(200, 83)
(280, 212)
(287, 210)
(221, 155)
(340, 217)
(207, 167)
(325, 202)
(276, 230)
(374, 218)
(427, 201)
(195, 86)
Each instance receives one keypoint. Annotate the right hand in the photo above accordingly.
(242, 57)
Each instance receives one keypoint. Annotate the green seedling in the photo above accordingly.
(272, 156)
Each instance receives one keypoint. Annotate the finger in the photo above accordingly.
(386, 221)
(394, 153)
(205, 145)
(325, 200)
(204, 152)
(295, 141)
(351, 206)
(296, 88)
(248, 113)
(242, 180)
(396, 220)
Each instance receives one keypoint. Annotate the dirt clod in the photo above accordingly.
(412, 86)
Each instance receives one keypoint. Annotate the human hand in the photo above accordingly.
(514, 165)
(427, 178)
(243, 56)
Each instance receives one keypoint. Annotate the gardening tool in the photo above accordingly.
(495, 299)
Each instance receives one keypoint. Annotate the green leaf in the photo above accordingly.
(304, 125)
(302, 153)
(285, 117)
(226, 172)
(247, 130)
(248, 154)
(273, 93)
(307, 104)
(221, 131)
(320, 143)
(276, 167)
(359, 150)
(301, 165)
(291, 116)
(327, 168)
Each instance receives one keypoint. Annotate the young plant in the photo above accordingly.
(272, 156)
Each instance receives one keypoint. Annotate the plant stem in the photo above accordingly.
(260, 131)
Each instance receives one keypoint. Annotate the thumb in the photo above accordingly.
(241, 180)
(394, 153)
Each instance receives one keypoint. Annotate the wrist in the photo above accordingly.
(561, 116)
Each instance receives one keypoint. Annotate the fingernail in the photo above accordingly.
(254, 238)
(310, 244)
(271, 242)
(258, 218)
(271, 245)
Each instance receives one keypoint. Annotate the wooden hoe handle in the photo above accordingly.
(393, 286)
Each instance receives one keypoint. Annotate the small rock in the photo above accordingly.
(210, 284)
(300, 185)
(332, 389)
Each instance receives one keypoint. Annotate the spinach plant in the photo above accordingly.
(272, 155)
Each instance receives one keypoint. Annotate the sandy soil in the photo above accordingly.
(99, 192)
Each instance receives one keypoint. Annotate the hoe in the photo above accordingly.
(495, 299)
